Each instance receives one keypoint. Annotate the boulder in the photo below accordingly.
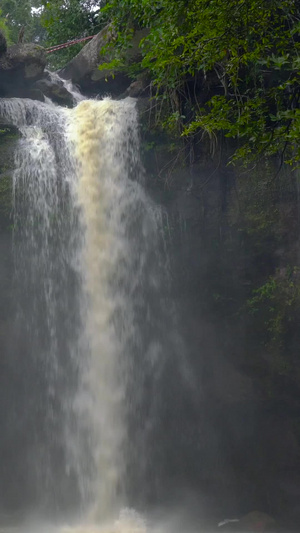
(20, 66)
(139, 88)
(83, 68)
(88, 59)
(251, 522)
(55, 91)
(3, 44)
(30, 59)
(257, 521)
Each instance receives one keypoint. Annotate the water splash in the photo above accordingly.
(129, 521)
(68, 85)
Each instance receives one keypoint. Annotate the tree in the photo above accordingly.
(23, 14)
(4, 29)
(247, 50)
(66, 20)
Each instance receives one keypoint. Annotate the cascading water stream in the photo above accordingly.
(87, 261)
(113, 209)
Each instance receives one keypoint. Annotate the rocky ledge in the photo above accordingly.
(23, 74)
(20, 66)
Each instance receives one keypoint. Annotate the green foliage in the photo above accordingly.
(4, 27)
(275, 307)
(23, 14)
(66, 20)
(247, 50)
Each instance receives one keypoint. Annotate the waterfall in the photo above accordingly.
(119, 230)
(89, 286)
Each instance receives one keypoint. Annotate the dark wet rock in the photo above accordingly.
(20, 66)
(30, 59)
(251, 522)
(257, 521)
(139, 88)
(35, 94)
(56, 91)
(3, 44)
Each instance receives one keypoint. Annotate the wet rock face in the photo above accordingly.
(3, 44)
(55, 91)
(20, 66)
(87, 60)
(28, 58)
(251, 522)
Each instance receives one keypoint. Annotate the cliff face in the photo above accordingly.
(233, 235)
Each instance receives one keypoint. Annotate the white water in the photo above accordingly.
(86, 252)
(106, 198)
(67, 84)
(113, 208)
